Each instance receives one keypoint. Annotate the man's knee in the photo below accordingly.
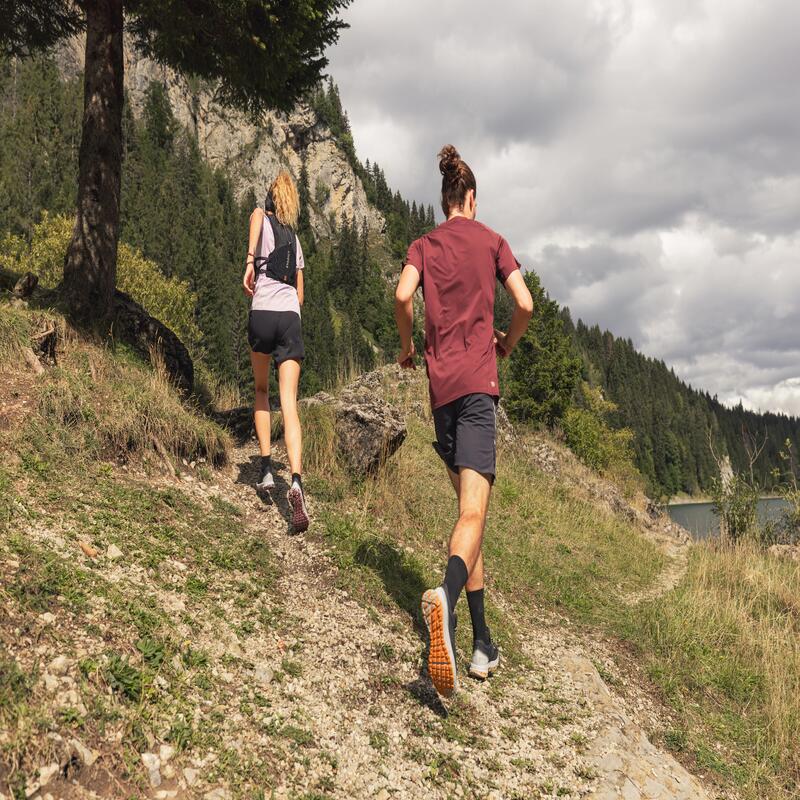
(473, 517)
(262, 389)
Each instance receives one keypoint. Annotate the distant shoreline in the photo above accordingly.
(691, 500)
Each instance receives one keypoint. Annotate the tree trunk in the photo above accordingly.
(90, 267)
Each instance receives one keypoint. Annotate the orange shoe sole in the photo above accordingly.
(441, 657)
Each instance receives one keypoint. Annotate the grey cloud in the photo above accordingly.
(644, 153)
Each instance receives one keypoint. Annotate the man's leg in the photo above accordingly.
(475, 583)
(438, 604)
(465, 560)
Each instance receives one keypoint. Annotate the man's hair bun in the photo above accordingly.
(457, 179)
(449, 159)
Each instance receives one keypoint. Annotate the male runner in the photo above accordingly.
(457, 264)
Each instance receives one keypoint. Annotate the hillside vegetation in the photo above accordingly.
(162, 633)
(152, 607)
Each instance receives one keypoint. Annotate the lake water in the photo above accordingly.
(701, 522)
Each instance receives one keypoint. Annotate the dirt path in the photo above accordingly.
(668, 537)
(375, 728)
(294, 686)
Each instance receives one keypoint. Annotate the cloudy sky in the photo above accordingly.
(642, 155)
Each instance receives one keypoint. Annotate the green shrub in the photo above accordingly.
(594, 441)
(734, 502)
(167, 299)
(11, 250)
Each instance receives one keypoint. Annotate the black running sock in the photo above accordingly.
(479, 629)
(296, 479)
(266, 464)
(454, 579)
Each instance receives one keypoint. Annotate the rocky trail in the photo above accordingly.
(327, 697)
(287, 681)
(375, 727)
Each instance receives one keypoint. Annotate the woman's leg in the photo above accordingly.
(260, 363)
(288, 378)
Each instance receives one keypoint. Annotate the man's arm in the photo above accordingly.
(523, 310)
(404, 313)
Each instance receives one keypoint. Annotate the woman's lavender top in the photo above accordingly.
(273, 295)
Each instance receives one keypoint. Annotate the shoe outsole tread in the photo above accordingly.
(299, 513)
(441, 666)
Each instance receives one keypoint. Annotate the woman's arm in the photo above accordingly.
(256, 224)
(300, 286)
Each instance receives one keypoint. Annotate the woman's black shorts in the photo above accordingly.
(276, 333)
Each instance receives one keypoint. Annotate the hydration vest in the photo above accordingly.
(281, 263)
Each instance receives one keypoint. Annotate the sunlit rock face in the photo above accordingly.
(252, 152)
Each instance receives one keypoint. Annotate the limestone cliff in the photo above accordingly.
(252, 153)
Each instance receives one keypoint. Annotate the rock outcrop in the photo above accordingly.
(252, 152)
(368, 430)
(785, 552)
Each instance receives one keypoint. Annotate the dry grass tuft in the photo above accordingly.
(117, 408)
(725, 646)
(104, 403)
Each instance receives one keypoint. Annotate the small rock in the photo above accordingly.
(47, 773)
(163, 794)
(50, 682)
(113, 552)
(217, 794)
(787, 552)
(59, 665)
(152, 764)
(263, 674)
(190, 776)
(166, 752)
(382, 795)
(47, 618)
(85, 754)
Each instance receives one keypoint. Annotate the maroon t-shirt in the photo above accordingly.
(458, 263)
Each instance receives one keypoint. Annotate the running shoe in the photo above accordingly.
(266, 481)
(441, 624)
(297, 503)
(485, 658)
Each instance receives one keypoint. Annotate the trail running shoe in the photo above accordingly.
(441, 624)
(299, 511)
(267, 481)
(485, 659)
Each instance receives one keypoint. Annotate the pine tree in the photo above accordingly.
(260, 54)
(544, 368)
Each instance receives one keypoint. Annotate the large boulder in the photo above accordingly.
(368, 430)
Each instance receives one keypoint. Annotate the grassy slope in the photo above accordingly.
(723, 646)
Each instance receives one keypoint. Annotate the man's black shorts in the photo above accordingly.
(466, 433)
(276, 333)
